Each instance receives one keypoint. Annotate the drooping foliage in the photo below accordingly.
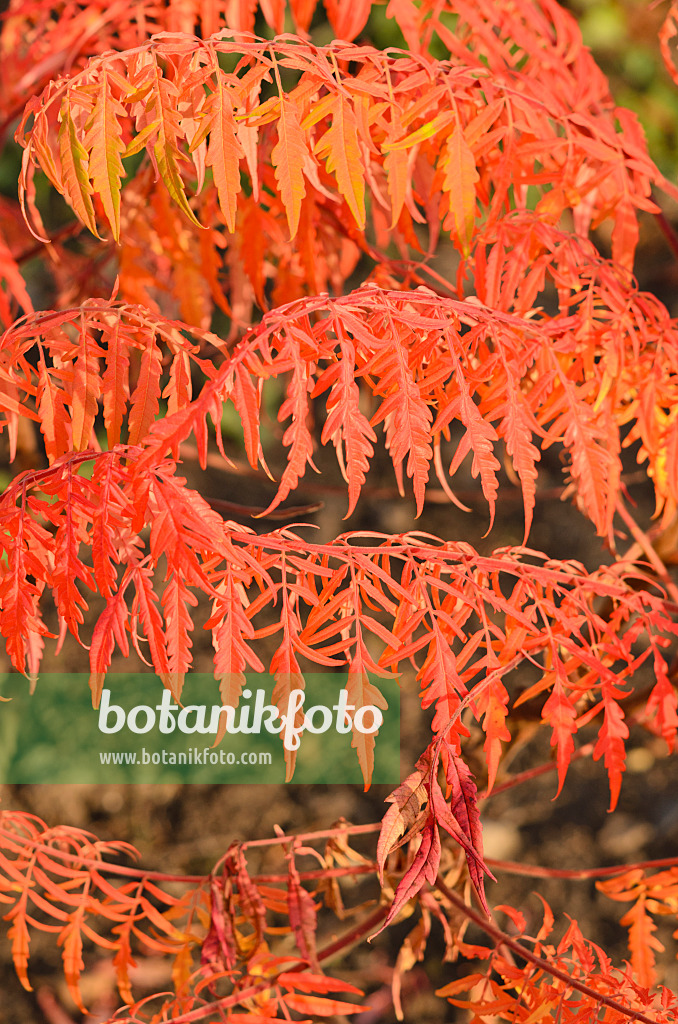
(222, 192)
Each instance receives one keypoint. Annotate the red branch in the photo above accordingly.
(536, 871)
(502, 939)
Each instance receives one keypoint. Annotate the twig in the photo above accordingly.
(256, 511)
(348, 939)
(645, 544)
(536, 871)
(326, 833)
(502, 939)
(533, 773)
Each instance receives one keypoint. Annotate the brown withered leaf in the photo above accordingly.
(338, 853)
(411, 951)
(407, 814)
(251, 903)
(419, 807)
(424, 868)
(303, 911)
(220, 947)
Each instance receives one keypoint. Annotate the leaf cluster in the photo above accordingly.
(225, 190)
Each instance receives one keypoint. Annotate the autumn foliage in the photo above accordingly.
(251, 219)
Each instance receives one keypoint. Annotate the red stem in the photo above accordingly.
(645, 544)
(161, 876)
(536, 871)
(502, 939)
(532, 773)
(336, 946)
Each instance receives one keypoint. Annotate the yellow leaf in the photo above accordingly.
(426, 131)
(163, 103)
(265, 113)
(74, 161)
(136, 144)
(103, 138)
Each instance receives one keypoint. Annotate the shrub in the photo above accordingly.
(224, 194)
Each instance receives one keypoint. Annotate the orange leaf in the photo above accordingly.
(320, 1006)
(459, 180)
(339, 146)
(288, 156)
(86, 390)
(224, 151)
(348, 19)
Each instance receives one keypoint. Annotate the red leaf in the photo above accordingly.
(643, 943)
(144, 607)
(663, 702)
(407, 815)
(493, 705)
(86, 390)
(424, 868)
(562, 717)
(611, 736)
(418, 808)
(53, 415)
(145, 398)
(464, 807)
(175, 599)
(669, 31)
(219, 945)
(308, 982)
(346, 425)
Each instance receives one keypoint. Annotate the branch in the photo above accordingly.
(648, 550)
(536, 871)
(533, 773)
(502, 939)
(348, 939)
(103, 866)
